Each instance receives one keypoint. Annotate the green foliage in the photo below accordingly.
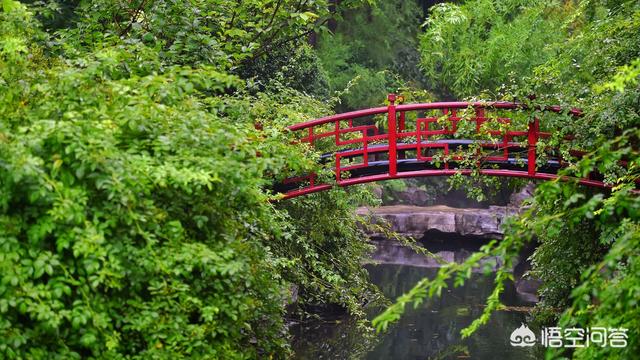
(588, 240)
(627, 75)
(320, 253)
(604, 292)
(591, 59)
(203, 31)
(135, 220)
(559, 239)
(119, 234)
(263, 38)
(391, 188)
(372, 53)
(296, 67)
(363, 86)
(482, 44)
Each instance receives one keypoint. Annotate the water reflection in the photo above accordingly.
(432, 331)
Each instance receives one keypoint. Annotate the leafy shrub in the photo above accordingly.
(482, 44)
(296, 67)
(134, 221)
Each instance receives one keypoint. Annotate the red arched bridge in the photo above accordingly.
(433, 139)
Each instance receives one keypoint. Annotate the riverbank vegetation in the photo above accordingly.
(583, 54)
(140, 141)
(138, 144)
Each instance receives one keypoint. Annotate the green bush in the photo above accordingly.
(134, 221)
(294, 66)
(480, 45)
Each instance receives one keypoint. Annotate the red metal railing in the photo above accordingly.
(360, 151)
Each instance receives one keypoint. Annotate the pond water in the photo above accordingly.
(432, 331)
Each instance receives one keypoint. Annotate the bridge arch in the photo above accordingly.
(433, 139)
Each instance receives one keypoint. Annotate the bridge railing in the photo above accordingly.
(400, 141)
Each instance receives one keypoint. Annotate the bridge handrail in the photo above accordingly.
(427, 106)
(339, 117)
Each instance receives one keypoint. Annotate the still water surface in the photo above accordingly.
(432, 331)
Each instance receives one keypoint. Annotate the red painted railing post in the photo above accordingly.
(391, 126)
(532, 139)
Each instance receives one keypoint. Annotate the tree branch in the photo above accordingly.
(263, 49)
(273, 16)
(133, 18)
